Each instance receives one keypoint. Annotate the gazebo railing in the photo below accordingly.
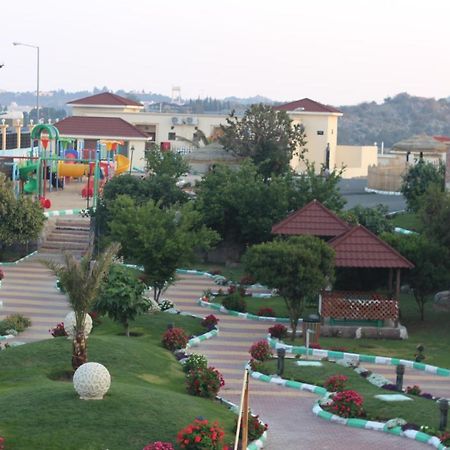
(358, 306)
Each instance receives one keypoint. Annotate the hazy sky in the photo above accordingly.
(336, 52)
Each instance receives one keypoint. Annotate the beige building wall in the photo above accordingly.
(356, 159)
(321, 130)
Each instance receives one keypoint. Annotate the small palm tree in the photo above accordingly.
(81, 280)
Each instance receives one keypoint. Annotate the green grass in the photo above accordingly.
(409, 221)
(147, 400)
(231, 273)
(420, 411)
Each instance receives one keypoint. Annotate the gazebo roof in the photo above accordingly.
(359, 247)
(313, 219)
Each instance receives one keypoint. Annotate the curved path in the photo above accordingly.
(292, 425)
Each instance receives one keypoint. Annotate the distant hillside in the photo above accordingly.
(395, 119)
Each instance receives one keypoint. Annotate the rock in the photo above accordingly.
(69, 325)
(442, 301)
(91, 381)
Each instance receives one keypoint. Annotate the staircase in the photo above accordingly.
(68, 234)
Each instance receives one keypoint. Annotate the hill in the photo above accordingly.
(396, 118)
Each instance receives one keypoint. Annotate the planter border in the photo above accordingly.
(381, 360)
(63, 212)
(249, 316)
(13, 263)
(351, 422)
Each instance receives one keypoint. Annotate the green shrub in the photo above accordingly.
(195, 362)
(16, 322)
(234, 302)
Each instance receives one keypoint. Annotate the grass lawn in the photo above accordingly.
(231, 273)
(147, 400)
(409, 221)
(420, 411)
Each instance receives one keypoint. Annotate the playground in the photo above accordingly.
(60, 172)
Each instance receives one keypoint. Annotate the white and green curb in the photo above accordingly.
(248, 316)
(203, 337)
(356, 357)
(64, 212)
(352, 422)
(13, 263)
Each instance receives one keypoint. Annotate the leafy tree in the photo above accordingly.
(434, 215)
(432, 268)
(308, 186)
(165, 163)
(266, 136)
(373, 219)
(418, 179)
(298, 267)
(159, 239)
(81, 280)
(121, 297)
(239, 205)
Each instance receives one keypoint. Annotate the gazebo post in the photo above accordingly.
(391, 276)
(397, 285)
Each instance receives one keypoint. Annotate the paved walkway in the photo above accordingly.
(29, 289)
(292, 425)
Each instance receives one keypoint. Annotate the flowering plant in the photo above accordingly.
(165, 304)
(158, 445)
(201, 435)
(260, 351)
(58, 330)
(278, 331)
(315, 346)
(204, 382)
(247, 280)
(195, 362)
(174, 339)
(445, 438)
(266, 312)
(2, 275)
(2, 441)
(347, 404)
(414, 390)
(232, 289)
(335, 383)
(255, 427)
(210, 321)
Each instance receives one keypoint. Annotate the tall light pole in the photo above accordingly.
(37, 87)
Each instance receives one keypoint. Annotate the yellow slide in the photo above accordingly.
(122, 164)
(72, 170)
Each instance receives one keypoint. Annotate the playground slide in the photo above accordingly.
(30, 187)
(72, 170)
(122, 164)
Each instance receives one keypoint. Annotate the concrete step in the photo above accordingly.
(65, 245)
(68, 237)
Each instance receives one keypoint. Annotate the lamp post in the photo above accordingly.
(37, 87)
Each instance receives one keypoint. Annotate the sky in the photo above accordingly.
(336, 52)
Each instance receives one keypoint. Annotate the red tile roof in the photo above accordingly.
(105, 99)
(307, 105)
(358, 247)
(113, 127)
(313, 219)
(442, 138)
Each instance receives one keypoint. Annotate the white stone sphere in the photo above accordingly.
(91, 381)
(69, 325)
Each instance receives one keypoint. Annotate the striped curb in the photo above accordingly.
(63, 212)
(203, 337)
(254, 445)
(382, 360)
(13, 263)
(352, 422)
(249, 316)
(404, 231)
(378, 191)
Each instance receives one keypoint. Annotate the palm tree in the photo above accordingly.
(81, 280)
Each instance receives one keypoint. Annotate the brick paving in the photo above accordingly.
(292, 425)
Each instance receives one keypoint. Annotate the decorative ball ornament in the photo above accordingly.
(91, 381)
(69, 325)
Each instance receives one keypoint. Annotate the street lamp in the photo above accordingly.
(37, 87)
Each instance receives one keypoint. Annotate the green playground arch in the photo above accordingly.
(52, 131)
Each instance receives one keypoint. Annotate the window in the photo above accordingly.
(171, 136)
(320, 132)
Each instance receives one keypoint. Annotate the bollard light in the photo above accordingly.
(281, 353)
(443, 408)
(170, 325)
(400, 371)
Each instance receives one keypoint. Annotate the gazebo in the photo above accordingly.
(355, 247)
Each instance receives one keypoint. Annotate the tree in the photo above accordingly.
(239, 204)
(434, 215)
(121, 297)
(266, 136)
(431, 271)
(418, 179)
(81, 280)
(165, 163)
(161, 240)
(373, 219)
(298, 267)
